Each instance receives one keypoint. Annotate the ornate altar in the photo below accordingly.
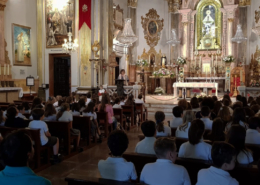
(237, 79)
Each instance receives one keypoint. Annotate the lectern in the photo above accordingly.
(120, 87)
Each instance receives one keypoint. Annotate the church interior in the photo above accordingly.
(96, 70)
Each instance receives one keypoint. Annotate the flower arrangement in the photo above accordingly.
(258, 59)
(229, 59)
(163, 72)
(159, 91)
(142, 63)
(181, 60)
(202, 95)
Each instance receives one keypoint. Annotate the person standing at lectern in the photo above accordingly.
(123, 76)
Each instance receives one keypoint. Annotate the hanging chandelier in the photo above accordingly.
(173, 41)
(239, 37)
(68, 45)
(127, 37)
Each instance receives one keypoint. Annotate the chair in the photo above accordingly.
(140, 111)
(102, 118)
(119, 113)
(129, 110)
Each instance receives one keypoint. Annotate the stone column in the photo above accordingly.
(2, 31)
(39, 41)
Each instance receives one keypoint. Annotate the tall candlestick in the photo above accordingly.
(7, 69)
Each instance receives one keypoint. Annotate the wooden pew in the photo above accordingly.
(4, 105)
(39, 150)
(129, 110)
(74, 179)
(139, 107)
(83, 124)
(102, 118)
(246, 175)
(27, 115)
(119, 113)
(256, 151)
(62, 131)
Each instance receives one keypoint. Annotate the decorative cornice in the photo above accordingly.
(132, 3)
(230, 19)
(243, 3)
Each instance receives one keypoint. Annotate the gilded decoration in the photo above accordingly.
(243, 3)
(152, 56)
(95, 48)
(257, 15)
(209, 25)
(118, 18)
(2, 7)
(174, 5)
(152, 26)
(254, 65)
(132, 3)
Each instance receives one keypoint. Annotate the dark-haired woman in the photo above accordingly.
(236, 136)
(196, 148)
(218, 131)
(12, 119)
(50, 113)
(162, 130)
(238, 118)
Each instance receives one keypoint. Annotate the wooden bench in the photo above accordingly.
(102, 118)
(62, 131)
(83, 124)
(129, 111)
(139, 107)
(118, 113)
(39, 150)
(246, 175)
(74, 179)
(27, 115)
(4, 105)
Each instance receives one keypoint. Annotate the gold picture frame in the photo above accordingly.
(149, 23)
(118, 18)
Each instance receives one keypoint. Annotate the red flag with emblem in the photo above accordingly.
(85, 13)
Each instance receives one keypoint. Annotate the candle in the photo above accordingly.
(8, 69)
(5, 69)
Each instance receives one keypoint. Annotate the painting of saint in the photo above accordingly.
(60, 19)
(152, 28)
(21, 45)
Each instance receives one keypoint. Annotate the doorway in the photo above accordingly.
(60, 75)
(117, 68)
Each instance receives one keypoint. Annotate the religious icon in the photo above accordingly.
(163, 61)
(209, 22)
(152, 28)
(152, 60)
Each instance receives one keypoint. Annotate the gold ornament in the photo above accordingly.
(95, 48)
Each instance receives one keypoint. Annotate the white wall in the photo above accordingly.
(162, 9)
(22, 12)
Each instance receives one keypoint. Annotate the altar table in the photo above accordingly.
(251, 91)
(9, 94)
(207, 86)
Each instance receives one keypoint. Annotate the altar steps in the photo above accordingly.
(152, 108)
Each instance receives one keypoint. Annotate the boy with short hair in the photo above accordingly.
(46, 138)
(164, 171)
(224, 159)
(116, 167)
(253, 132)
(139, 99)
(21, 112)
(177, 120)
(16, 150)
(146, 146)
(205, 114)
(117, 104)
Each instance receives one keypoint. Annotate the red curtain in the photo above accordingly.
(85, 13)
(237, 80)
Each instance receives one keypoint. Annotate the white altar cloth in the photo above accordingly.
(19, 89)
(194, 85)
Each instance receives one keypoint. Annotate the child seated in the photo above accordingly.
(177, 119)
(20, 109)
(116, 167)
(139, 99)
(224, 160)
(27, 108)
(50, 113)
(146, 146)
(122, 100)
(101, 92)
(117, 104)
(88, 99)
(75, 109)
(13, 120)
(196, 148)
(183, 129)
(161, 129)
(46, 138)
(205, 114)
(164, 171)
(253, 132)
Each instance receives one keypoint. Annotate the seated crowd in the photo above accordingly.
(229, 126)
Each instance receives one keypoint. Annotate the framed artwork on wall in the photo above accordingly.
(59, 21)
(21, 45)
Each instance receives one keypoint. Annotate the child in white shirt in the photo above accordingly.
(116, 167)
(196, 148)
(65, 115)
(164, 171)
(205, 114)
(253, 133)
(117, 104)
(183, 129)
(177, 119)
(161, 129)
(75, 109)
(46, 138)
(20, 109)
(122, 100)
(224, 160)
(88, 99)
(146, 146)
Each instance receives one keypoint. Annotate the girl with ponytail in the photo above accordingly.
(162, 130)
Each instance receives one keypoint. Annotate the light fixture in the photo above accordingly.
(173, 41)
(239, 37)
(127, 37)
(70, 46)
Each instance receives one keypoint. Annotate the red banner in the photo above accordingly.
(237, 79)
(85, 13)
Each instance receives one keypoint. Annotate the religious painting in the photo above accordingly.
(60, 20)
(21, 45)
(209, 25)
(152, 28)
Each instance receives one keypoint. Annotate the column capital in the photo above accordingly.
(230, 9)
(185, 15)
(2, 4)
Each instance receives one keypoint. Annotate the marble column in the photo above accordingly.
(39, 41)
(2, 31)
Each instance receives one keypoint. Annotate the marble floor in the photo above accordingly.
(85, 163)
